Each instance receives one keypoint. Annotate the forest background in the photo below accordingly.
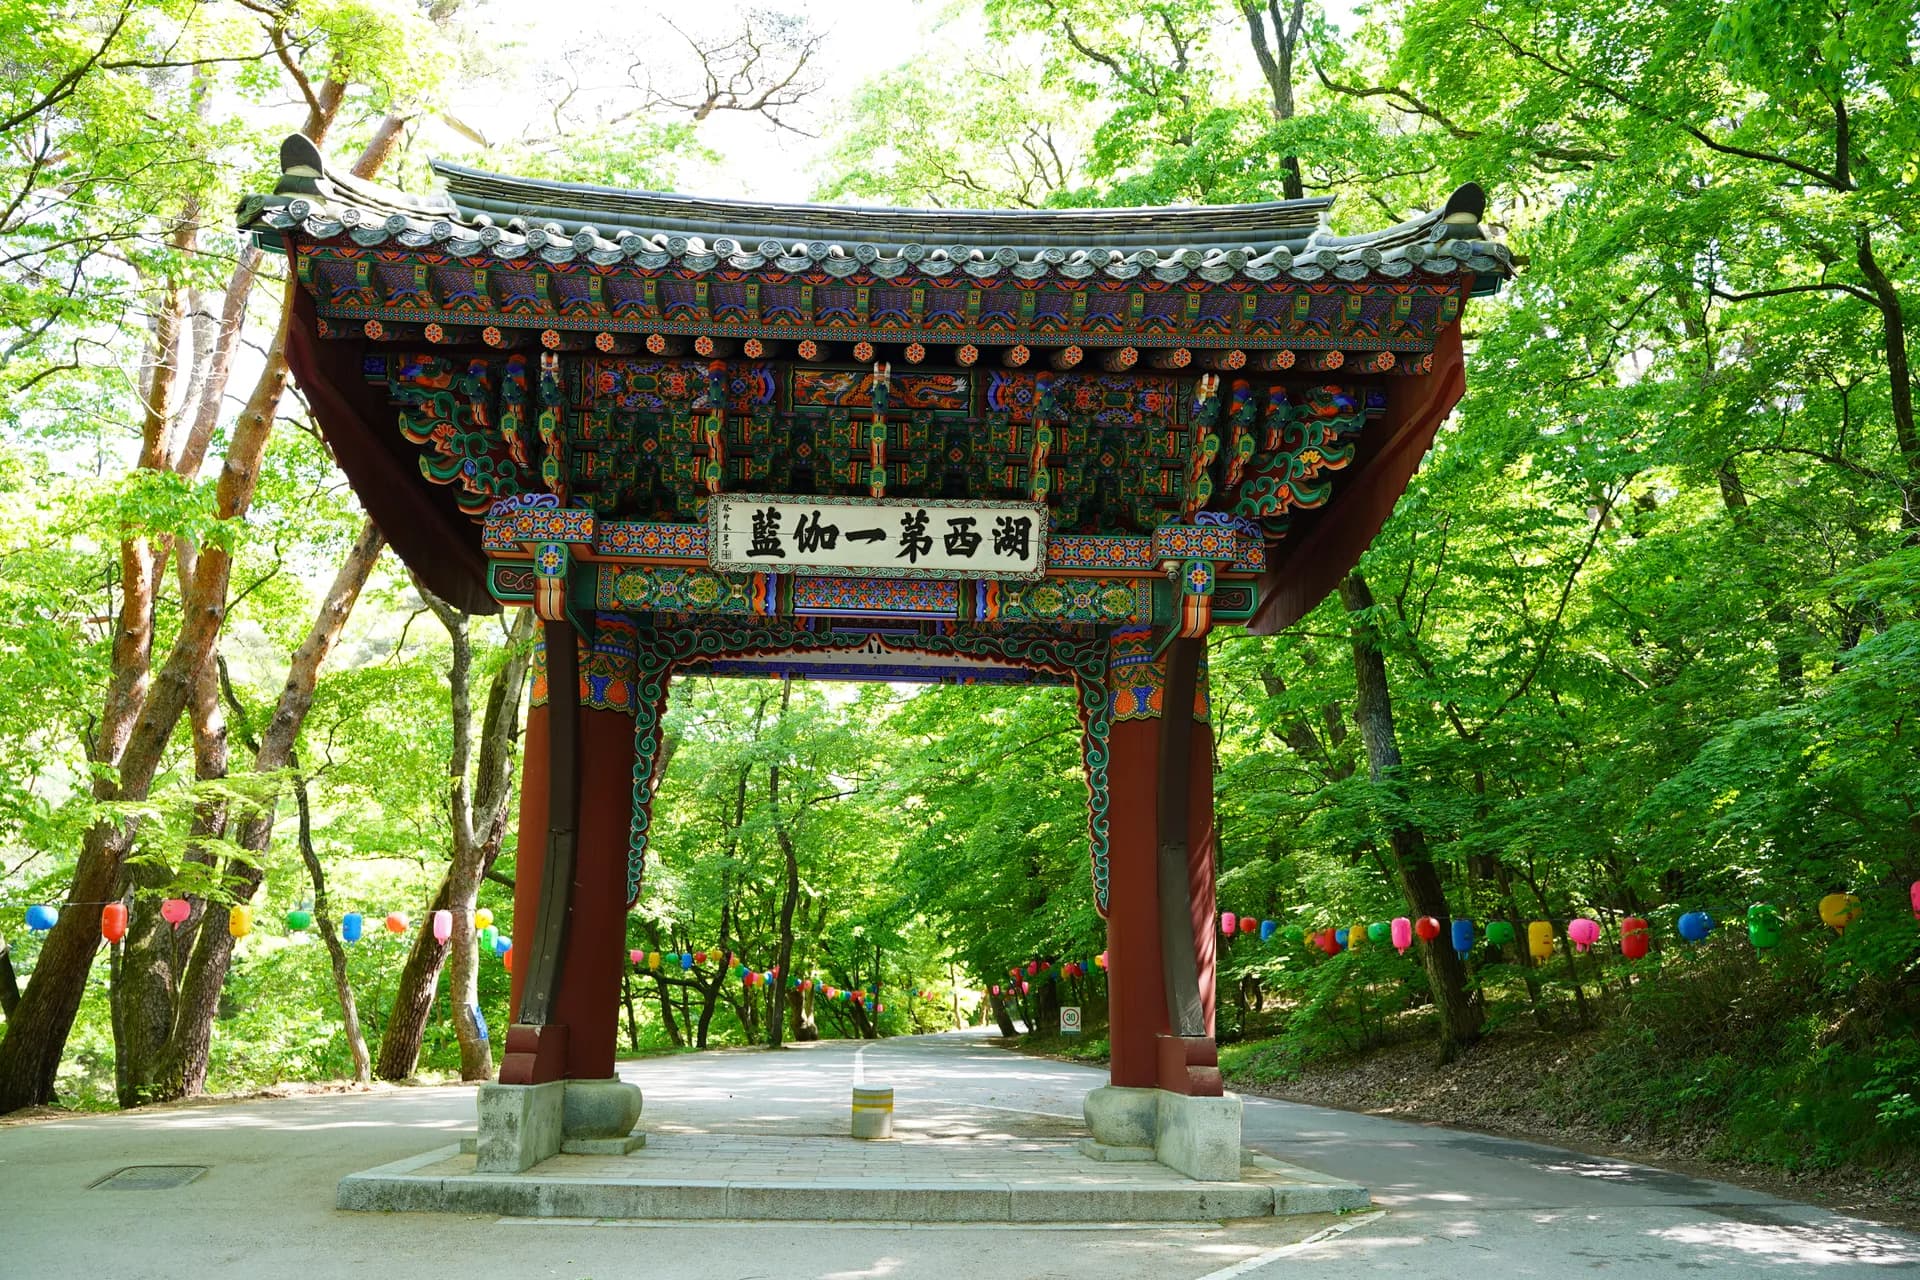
(1643, 637)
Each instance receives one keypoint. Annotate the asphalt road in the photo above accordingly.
(1453, 1204)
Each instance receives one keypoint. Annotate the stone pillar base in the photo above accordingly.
(523, 1124)
(1199, 1137)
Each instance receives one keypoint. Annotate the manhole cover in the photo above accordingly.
(150, 1177)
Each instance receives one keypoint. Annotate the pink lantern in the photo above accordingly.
(1402, 934)
(637, 957)
(1023, 988)
(175, 911)
(1227, 922)
(442, 926)
(1101, 959)
(996, 988)
(1915, 891)
(1583, 933)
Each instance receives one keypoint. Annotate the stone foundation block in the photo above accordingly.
(600, 1109)
(1122, 1117)
(1199, 1137)
(520, 1125)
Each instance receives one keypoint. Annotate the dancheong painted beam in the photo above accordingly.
(848, 443)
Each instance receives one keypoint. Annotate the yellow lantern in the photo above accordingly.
(653, 959)
(1839, 910)
(1540, 939)
(1356, 934)
(240, 921)
(482, 918)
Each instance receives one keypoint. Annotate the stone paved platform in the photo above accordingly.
(824, 1178)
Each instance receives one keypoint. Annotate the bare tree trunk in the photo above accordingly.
(790, 895)
(336, 951)
(1001, 1016)
(478, 818)
(1460, 1017)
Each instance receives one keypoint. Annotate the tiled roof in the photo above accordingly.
(519, 219)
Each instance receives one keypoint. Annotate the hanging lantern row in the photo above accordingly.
(240, 921)
(1764, 924)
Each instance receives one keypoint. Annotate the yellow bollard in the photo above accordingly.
(872, 1113)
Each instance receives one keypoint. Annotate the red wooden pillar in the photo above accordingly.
(1137, 1003)
(578, 1040)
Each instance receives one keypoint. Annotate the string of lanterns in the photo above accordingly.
(1765, 928)
(114, 921)
(750, 977)
(1043, 970)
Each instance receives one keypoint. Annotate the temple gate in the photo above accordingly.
(707, 436)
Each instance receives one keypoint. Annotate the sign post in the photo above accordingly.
(1069, 1020)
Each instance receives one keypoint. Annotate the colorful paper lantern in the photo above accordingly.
(1694, 926)
(42, 918)
(1426, 928)
(1499, 933)
(240, 921)
(1101, 959)
(113, 921)
(396, 922)
(1228, 923)
(1763, 926)
(1342, 937)
(636, 957)
(1356, 935)
(299, 918)
(486, 936)
(1024, 988)
(1462, 936)
(1634, 938)
(1328, 940)
(1032, 968)
(442, 926)
(1379, 931)
(653, 959)
(482, 917)
(1540, 939)
(175, 911)
(686, 960)
(1402, 934)
(502, 944)
(699, 957)
(1839, 910)
(996, 988)
(1914, 894)
(506, 959)
(1583, 933)
(1248, 924)
(352, 925)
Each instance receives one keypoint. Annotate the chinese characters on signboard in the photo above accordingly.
(877, 538)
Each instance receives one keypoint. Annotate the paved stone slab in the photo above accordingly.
(839, 1179)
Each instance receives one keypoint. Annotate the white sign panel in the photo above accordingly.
(1069, 1020)
(876, 537)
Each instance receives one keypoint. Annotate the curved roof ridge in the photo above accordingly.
(1259, 226)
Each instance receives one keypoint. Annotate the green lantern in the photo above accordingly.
(1379, 931)
(1499, 933)
(1763, 926)
(299, 918)
(487, 935)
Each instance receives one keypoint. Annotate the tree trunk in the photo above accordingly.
(790, 896)
(1460, 1017)
(336, 950)
(477, 814)
(1001, 1016)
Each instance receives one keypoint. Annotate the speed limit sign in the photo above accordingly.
(1069, 1022)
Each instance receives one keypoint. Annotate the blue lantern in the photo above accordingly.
(352, 925)
(1340, 937)
(686, 960)
(502, 945)
(1695, 925)
(1463, 936)
(1267, 929)
(40, 919)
